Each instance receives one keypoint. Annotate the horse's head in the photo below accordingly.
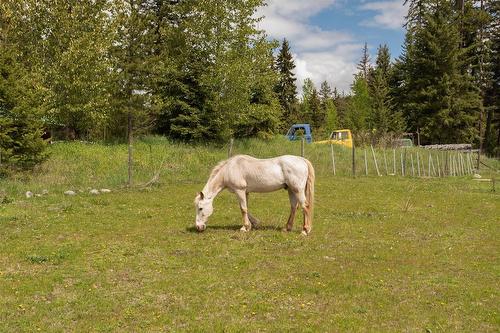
(204, 209)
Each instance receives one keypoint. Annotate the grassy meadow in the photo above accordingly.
(386, 254)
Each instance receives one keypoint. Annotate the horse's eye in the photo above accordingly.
(200, 209)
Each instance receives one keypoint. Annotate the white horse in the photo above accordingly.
(243, 174)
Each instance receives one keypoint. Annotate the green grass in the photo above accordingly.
(385, 254)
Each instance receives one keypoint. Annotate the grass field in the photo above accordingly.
(385, 253)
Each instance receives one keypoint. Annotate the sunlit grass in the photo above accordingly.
(385, 253)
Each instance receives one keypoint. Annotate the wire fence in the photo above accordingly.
(337, 160)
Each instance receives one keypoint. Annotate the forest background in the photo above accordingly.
(202, 71)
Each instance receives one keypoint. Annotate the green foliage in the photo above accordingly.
(331, 121)
(305, 115)
(21, 128)
(359, 110)
(286, 88)
(441, 99)
(328, 109)
(65, 46)
(223, 85)
(364, 63)
(384, 116)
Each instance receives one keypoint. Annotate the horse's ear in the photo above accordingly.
(202, 196)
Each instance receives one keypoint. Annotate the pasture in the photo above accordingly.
(385, 253)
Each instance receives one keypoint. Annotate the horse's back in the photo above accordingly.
(265, 175)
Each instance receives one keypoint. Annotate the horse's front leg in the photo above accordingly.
(253, 220)
(244, 210)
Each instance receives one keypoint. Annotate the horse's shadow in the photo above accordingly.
(236, 228)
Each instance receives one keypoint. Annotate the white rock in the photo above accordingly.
(29, 194)
(70, 192)
(94, 191)
(477, 176)
(105, 190)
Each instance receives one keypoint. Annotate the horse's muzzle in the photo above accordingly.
(201, 227)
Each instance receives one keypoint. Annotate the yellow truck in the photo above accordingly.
(339, 137)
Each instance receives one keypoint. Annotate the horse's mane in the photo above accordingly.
(217, 168)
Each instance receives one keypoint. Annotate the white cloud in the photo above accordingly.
(334, 67)
(390, 15)
(299, 9)
(319, 54)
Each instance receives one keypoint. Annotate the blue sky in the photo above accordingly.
(327, 36)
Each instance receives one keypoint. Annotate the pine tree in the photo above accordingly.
(491, 86)
(305, 107)
(220, 87)
(441, 100)
(384, 117)
(364, 64)
(329, 112)
(359, 107)
(21, 128)
(417, 9)
(325, 92)
(286, 88)
(317, 112)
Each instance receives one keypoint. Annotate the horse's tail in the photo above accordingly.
(310, 190)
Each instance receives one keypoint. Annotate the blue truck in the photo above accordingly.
(298, 131)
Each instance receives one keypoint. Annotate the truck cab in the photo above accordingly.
(341, 137)
(298, 131)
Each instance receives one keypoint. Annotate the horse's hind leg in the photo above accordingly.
(307, 213)
(244, 210)
(294, 203)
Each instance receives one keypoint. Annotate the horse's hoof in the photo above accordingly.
(304, 233)
(243, 229)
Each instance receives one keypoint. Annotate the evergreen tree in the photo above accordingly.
(359, 107)
(325, 92)
(329, 112)
(384, 117)
(220, 86)
(21, 128)
(286, 88)
(306, 114)
(491, 88)
(441, 100)
(317, 114)
(364, 64)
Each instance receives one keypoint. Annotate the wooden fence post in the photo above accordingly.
(230, 148)
(464, 172)
(446, 165)
(438, 166)
(412, 166)
(353, 161)
(366, 164)
(429, 162)
(402, 166)
(385, 163)
(333, 159)
(375, 160)
(418, 164)
(302, 147)
(394, 161)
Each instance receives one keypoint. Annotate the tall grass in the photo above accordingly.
(81, 166)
